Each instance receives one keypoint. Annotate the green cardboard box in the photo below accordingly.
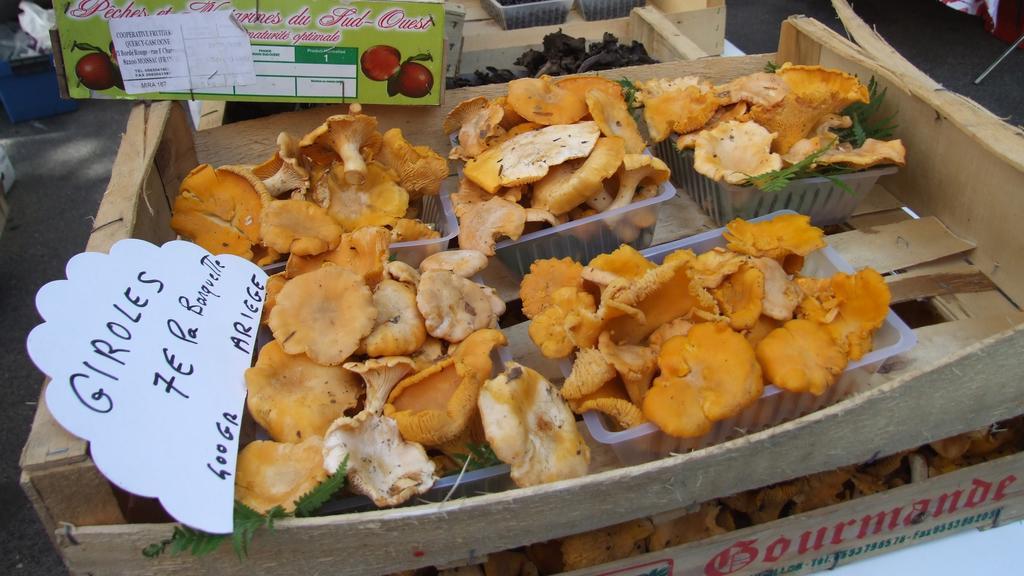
(370, 51)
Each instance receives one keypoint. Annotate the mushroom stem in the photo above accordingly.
(355, 166)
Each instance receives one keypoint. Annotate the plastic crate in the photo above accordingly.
(528, 14)
(28, 89)
(820, 198)
(646, 442)
(607, 9)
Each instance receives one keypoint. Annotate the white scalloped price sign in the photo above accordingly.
(147, 349)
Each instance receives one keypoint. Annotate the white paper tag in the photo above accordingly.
(191, 51)
(147, 349)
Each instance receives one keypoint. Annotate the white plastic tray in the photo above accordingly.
(646, 442)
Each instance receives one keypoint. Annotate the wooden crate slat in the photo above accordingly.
(49, 444)
(906, 287)
(967, 165)
(896, 246)
(941, 340)
(398, 539)
(667, 36)
(661, 37)
(693, 558)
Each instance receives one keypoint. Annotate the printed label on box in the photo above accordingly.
(182, 52)
(147, 348)
(273, 50)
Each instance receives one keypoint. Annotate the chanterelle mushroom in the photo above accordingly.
(298, 227)
(465, 263)
(530, 427)
(347, 135)
(435, 406)
(381, 465)
(544, 278)
(399, 329)
(528, 157)
(563, 192)
(706, 376)
(420, 170)
(284, 172)
(380, 376)
(813, 92)
(801, 356)
(377, 200)
(324, 314)
(483, 223)
(735, 151)
(364, 252)
(613, 117)
(638, 170)
(454, 307)
(270, 474)
(542, 101)
(294, 398)
(479, 124)
(636, 365)
(220, 209)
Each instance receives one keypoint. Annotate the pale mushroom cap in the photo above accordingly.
(272, 474)
(465, 263)
(529, 426)
(298, 227)
(399, 329)
(324, 314)
(483, 223)
(527, 157)
(381, 465)
(294, 398)
(455, 307)
(735, 151)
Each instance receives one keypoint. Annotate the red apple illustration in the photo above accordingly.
(380, 62)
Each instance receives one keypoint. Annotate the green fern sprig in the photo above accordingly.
(479, 456)
(247, 522)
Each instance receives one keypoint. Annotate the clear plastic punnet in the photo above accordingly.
(588, 237)
(436, 211)
(646, 442)
(819, 197)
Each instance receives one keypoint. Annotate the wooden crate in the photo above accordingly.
(669, 29)
(965, 169)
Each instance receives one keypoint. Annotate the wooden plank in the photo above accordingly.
(249, 142)
(75, 494)
(474, 11)
(48, 443)
(906, 287)
(895, 246)
(985, 496)
(211, 113)
(123, 207)
(954, 146)
(878, 199)
(706, 28)
(672, 6)
(660, 36)
(965, 304)
(866, 222)
(390, 540)
(680, 217)
(941, 340)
